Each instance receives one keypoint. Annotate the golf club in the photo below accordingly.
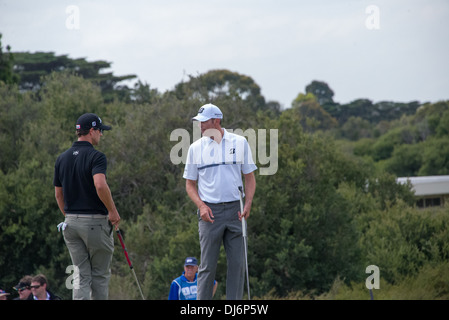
(119, 235)
(245, 239)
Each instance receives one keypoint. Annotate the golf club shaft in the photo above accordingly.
(245, 240)
(119, 235)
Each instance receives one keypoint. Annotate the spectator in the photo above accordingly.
(3, 295)
(39, 289)
(23, 288)
(185, 286)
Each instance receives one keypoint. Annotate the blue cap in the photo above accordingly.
(191, 261)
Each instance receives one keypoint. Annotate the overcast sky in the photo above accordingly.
(394, 50)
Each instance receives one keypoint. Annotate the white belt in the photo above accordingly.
(89, 216)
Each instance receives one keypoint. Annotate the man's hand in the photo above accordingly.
(246, 212)
(114, 218)
(206, 214)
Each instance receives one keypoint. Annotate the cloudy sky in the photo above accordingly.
(394, 50)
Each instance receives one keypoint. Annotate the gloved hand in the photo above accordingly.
(62, 226)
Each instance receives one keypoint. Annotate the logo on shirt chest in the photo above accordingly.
(189, 292)
(232, 151)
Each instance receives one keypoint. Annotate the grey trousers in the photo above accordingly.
(226, 229)
(90, 243)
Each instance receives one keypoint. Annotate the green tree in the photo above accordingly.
(312, 116)
(410, 145)
(31, 67)
(355, 129)
(302, 226)
(406, 160)
(435, 157)
(321, 91)
(372, 112)
(16, 110)
(401, 240)
(6, 65)
(224, 83)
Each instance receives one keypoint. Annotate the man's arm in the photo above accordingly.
(174, 291)
(205, 211)
(104, 193)
(215, 288)
(250, 189)
(59, 195)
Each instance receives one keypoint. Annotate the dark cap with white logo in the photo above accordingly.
(90, 120)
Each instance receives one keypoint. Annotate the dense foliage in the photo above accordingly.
(332, 208)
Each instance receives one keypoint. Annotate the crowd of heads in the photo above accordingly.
(29, 288)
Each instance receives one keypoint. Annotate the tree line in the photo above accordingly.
(332, 208)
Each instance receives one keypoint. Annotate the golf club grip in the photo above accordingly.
(241, 199)
(241, 211)
(124, 248)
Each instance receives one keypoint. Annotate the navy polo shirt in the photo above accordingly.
(74, 171)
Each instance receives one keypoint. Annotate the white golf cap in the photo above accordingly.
(208, 111)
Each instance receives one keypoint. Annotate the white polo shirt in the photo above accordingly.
(218, 167)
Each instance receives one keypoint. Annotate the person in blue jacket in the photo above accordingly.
(185, 286)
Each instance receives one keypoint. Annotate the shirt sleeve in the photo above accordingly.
(56, 180)
(100, 164)
(190, 169)
(174, 291)
(248, 164)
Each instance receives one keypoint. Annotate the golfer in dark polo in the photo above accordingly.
(84, 197)
(213, 172)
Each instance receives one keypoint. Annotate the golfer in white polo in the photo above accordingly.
(213, 172)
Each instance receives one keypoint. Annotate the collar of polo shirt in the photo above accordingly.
(224, 137)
